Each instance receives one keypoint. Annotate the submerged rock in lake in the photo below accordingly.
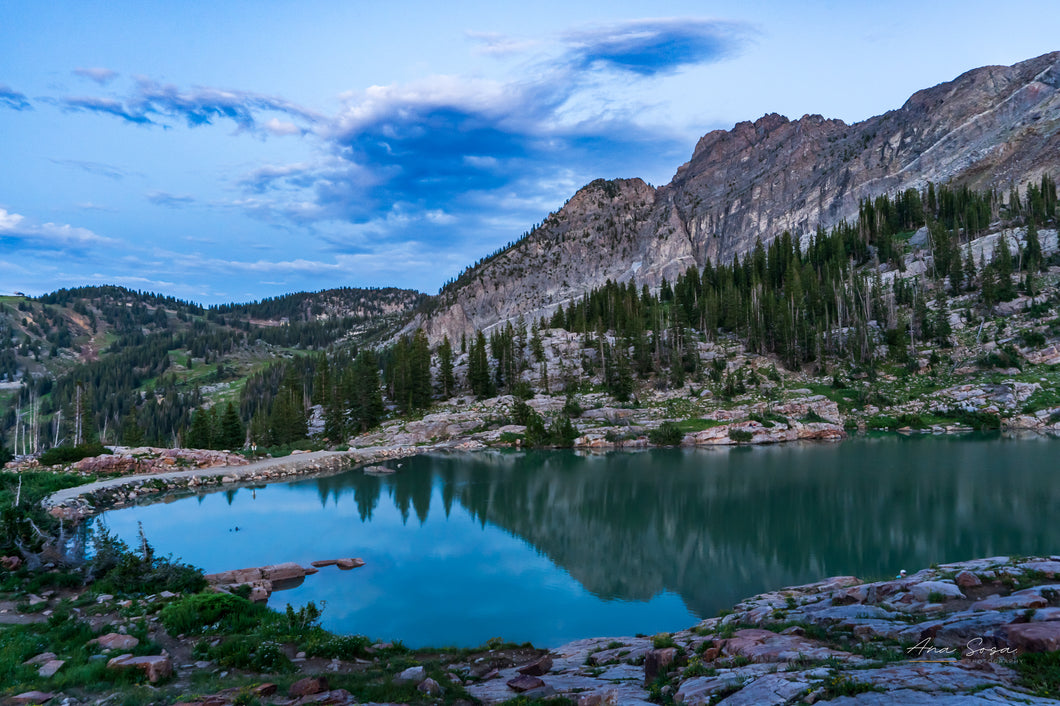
(262, 580)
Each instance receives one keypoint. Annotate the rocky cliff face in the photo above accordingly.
(995, 126)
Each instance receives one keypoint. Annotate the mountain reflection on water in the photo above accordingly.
(717, 526)
(709, 526)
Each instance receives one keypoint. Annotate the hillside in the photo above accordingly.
(991, 128)
(125, 346)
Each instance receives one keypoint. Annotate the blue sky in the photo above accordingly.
(228, 151)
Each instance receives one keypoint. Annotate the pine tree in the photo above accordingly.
(198, 437)
(479, 369)
(1002, 264)
(537, 347)
(335, 402)
(260, 432)
(1032, 254)
(364, 395)
(232, 433)
(420, 370)
(940, 327)
(445, 368)
(620, 378)
(131, 433)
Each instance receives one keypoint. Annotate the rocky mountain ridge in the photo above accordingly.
(992, 127)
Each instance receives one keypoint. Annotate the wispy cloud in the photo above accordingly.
(497, 44)
(89, 206)
(201, 106)
(98, 168)
(98, 74)
(10, 98)
(19, 232)
(106, 106)
(164, 198)
(154, 103)
(653, 46)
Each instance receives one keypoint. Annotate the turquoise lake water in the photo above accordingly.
(552, 546)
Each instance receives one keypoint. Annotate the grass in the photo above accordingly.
(236, 635)
(1040, 673)
(683, 408)
(841, 685)
(689, 426)
(1045, 398)
(68, 638)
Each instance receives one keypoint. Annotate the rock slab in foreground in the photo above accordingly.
(156, 667)
(806, 644)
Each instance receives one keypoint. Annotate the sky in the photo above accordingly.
(231, 151)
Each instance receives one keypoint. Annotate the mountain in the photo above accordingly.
(995, 127)
(126, 346)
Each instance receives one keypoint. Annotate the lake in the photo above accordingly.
(552, 546)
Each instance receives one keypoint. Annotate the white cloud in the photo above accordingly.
(9, 221)
(439, 217)
(280, 128)
(381, 103)
(98, 74)
(15, 225)
(497, 44)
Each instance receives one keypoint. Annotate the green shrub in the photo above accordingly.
(522, 390)
(668, 434)
(767, 423)
(882, 421)
(211, 612)
(841, 685)
(696, 668)
(1004, 357)
(914, 421)
(1032, 339)
(571, 407)
(811, 417)
(562, 433)
(119, 570)
(663, 639)
(328, 646)
(522, 412)
(71, 454)
(536, 434)
(252, 654)
(740, 436)
(983, 421)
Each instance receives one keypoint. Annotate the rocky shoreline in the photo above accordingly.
(76, 503)
(951, 634)
(985, 631)
(145, 471)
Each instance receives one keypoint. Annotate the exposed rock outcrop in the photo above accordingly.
(883, 641)
(995, 126)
